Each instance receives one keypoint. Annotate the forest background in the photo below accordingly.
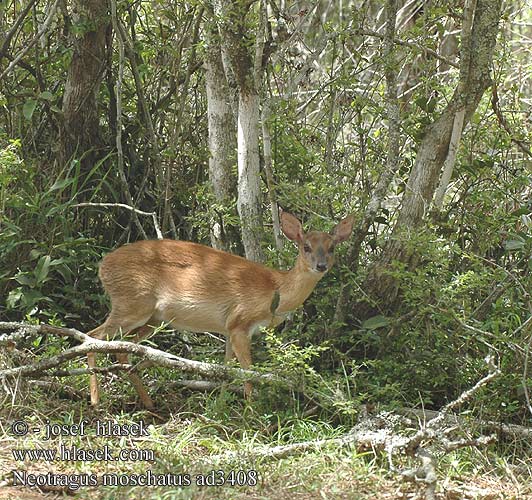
(414, 116)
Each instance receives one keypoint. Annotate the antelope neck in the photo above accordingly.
(296, 285)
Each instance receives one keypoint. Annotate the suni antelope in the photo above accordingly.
(197, 288)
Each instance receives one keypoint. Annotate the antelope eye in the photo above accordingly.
(307, 248)
(331, 249)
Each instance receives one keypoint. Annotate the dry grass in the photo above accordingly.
(192, 442)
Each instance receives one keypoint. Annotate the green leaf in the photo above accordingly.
(31, 297)
(14, 297)
(54, 210)
(42, 268)
(35, 254)
(375, 322)
(422, 102)
(431, 105)
(48, 96)
(64, 271)
(60, 184)
(25, 279)
(29, 108)
(514, 244)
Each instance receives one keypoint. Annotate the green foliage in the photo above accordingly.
(48, 269)
(472, 262)
(290, 359)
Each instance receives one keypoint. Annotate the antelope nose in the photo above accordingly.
(321, 267)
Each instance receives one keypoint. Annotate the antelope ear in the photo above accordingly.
(291, 227)
(343, 229)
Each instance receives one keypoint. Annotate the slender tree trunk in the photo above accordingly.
(448, 166)
(268, 170)
(475, 61)
(243, 64)
(80, 133)
(222, 144)
(249, 195)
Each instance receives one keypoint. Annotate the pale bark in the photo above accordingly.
(458, 122)
(387, 432)
(89, 344)
(242, 66)
(222, 144)
(249, 195)
(475, 63)
(448, 165)
(267, 153)
(475, 67)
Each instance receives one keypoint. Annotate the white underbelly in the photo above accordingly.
(203, 316)
(194, 317)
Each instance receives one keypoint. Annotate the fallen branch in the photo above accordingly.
(205, 386)
(90, 344)
(452, 420)
(384, 432)
(434, 434)
(373, 432)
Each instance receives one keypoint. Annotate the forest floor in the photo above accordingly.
(325, 474)
(216, 456)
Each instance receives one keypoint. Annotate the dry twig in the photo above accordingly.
(89, 344)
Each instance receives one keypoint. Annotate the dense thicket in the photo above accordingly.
(343, 107)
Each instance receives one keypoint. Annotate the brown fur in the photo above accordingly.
(197, 288)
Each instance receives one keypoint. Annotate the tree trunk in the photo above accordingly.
(222, 144)
(80, 133)
(475, 62)
(448, 167)
(243, 65)
(249, 195)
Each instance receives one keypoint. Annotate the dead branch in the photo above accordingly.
(434, 434)
(206, 385)
(383, 432)
(463, 398)
(127, 207)
(154, 356)
(452, 420)
(374, 432)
